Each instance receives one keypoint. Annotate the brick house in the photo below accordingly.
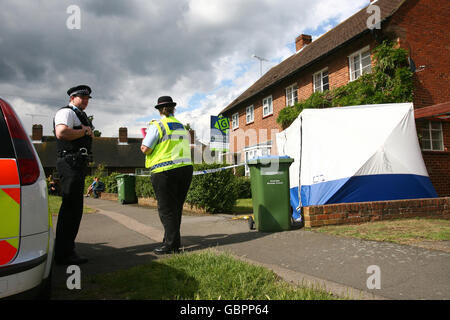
(343, 54)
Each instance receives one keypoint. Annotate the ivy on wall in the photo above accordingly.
(391, 81)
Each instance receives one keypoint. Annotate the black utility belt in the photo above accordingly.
(76, 157)
(81, 152)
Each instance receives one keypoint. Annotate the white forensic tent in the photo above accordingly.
(354, 154)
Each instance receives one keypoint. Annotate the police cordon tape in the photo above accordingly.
(196, 173)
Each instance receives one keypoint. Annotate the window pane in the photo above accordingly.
(426, 134)
(436, 135)
(365, 62)
(356, 64)
(317, 82)
(356, 67)
(325, 81)
(437, 145)
(365, 54)
(367, 69)
(426, 144)
(436, 125)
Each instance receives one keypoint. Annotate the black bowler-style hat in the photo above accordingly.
(165, 101)
(81, 90)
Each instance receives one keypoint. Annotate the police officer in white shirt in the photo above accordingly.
(73, 131)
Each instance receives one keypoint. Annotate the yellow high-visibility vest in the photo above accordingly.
(172, 149)
(9, 209)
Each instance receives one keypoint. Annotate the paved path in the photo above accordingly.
(120, 236)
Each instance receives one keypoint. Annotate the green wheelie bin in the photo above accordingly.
(269, 177)
(126, 185)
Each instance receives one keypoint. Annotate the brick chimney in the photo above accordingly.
(36, 133)
(302, 40)
(192, 136)
(123, 135)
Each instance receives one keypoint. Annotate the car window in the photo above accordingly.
(6, 147)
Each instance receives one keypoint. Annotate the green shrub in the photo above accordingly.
(110, 182)
(215, 192)
(87, 182)
(144, 187)
(243, 188)
(240, 171)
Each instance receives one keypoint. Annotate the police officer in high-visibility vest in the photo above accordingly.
(167, 149)
(73, 131)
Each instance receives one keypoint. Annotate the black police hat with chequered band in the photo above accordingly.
(81, 90)
(165, 101)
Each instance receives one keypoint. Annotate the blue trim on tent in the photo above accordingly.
(379, 187)
(293, 199)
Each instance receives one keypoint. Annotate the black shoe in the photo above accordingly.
(74, 258)
(165, 249)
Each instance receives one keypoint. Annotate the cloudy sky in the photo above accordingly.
(132, 51)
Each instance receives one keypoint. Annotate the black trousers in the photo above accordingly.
(71, 211)
(171, 188)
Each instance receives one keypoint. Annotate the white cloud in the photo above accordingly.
(130, 54)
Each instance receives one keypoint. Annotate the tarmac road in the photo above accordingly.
(121, 236)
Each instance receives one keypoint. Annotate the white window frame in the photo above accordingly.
(361, 69)
(320, 74)
(254, 152)
(267, 107)
(427, 135)
(249, 114)
(291, 95)
(235, 120)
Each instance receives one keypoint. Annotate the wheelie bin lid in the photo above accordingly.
(269, 159)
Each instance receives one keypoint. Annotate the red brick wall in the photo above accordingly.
(348, 213)
(438, 162)
(422, 26)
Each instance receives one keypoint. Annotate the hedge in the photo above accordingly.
(109, 181)
(244, 188)
(214, 192)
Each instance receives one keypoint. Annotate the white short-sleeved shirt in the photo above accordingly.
(68, 117)
(151, 136)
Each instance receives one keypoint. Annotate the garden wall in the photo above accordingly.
(348, 213)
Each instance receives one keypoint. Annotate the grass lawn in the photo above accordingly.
(54, 203)
(404, 231)
(205, 275)
(243, 206)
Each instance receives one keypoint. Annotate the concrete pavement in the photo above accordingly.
(121, 236)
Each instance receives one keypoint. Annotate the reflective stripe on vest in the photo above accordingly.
(9, 210)
(172, 149)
